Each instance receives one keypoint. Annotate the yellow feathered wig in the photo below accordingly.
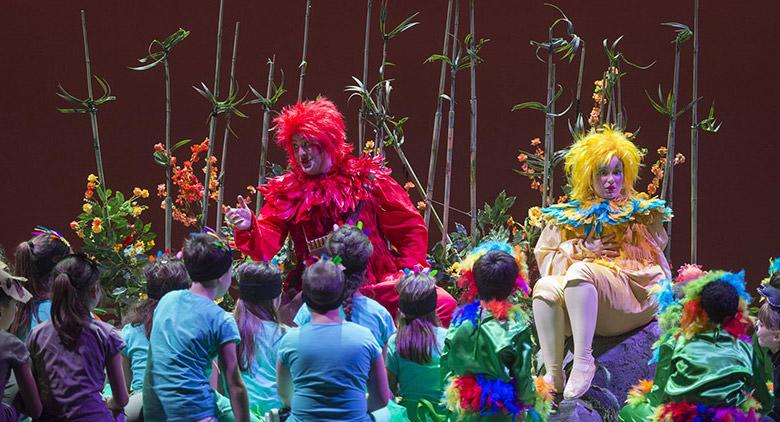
(596, 150)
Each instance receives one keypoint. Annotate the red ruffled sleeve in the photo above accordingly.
(266, 236)
(400, 223)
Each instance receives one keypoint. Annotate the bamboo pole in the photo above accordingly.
(579, 81)
(212, 123)
(549, 128)
(382, 100)
(304, 63)
(473, 145)
(667, 188)
(695, 139)
(450, 127)
(362, 118)
(620, 118)
(264, 135)
(168, 202)
(226, 135)
(437, 121)
(92, 112)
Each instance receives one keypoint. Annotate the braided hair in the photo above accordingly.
(355, 249)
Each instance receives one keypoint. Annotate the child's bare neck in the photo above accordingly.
(330, 317)
(201, 290)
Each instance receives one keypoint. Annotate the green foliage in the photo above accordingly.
(276, 93)
(153, 58)
(710, 124)
(567, 49)
(162, 159)
(115, 236)
(683, 32)
(88, 105)
(378, 118)
(228, 105)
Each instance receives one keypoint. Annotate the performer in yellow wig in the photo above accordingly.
(598, 256)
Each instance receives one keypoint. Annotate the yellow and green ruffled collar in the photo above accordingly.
(592, 215)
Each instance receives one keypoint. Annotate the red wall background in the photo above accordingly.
(47, 155)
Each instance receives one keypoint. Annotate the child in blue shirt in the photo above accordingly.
(353, 246)
(189, 330)
(164, 275)
(325, 367)
(256, 313)
(413, 352)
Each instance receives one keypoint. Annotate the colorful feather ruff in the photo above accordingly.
(464, 270)
(593, 215)
(478, 394)
(684, 411)
(638, 393)
(545, 394)
(502, 310)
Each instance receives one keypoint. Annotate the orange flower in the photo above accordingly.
(651, 188)
(91, 185)
(251, 189)
(161, 190)
(74, 225)
(88, 194)
(159, 147)
(408, 185)
(522, 157)
(535, 141)
(535, 185)
(117, 247)
(421, 205)
(662, 150)
(97, 225)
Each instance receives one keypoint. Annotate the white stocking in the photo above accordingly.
(549, 319)
(582, 305)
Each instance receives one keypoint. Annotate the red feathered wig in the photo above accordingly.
(316, 121)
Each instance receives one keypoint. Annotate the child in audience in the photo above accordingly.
(13, 353)
(326, 366)
(34, 260)
(256, 313)
(353, 246)
(769, 329)
(413, 352)
(72, 353)
(189, 330)
(164, 275)
(488, 350)
(711, 370)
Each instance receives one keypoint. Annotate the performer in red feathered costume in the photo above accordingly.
(327, 185)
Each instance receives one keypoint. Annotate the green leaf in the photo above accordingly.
(438, 57)
(532, 105)
(180, 144)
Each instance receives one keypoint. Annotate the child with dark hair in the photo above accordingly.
(711, 371)
(72, 353)
(14, 356)
(487, 355)
(256, 313)
(189, 331)
(326, 366)
(413, 352)
(354, 248)
(769, 328)
(164, 275)
(34, 260)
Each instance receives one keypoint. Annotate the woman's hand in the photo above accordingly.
(241, 217)
(602, 246)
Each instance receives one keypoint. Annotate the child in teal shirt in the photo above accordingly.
(189, 331)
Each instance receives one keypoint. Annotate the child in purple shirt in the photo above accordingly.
(72, 353)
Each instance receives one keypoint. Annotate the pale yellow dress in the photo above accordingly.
(623, 282)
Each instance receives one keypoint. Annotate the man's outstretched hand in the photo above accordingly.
(240, 217)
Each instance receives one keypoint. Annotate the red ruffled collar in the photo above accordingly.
(293, 196)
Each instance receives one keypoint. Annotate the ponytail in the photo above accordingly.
(355, 249)
(74, 276)
(416, 337)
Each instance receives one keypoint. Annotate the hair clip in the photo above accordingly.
(220, 241)
(40, 230)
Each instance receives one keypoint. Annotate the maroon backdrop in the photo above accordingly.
(47, 155)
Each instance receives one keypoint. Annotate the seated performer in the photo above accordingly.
(598, 256)
(708, 369)
(327, 185)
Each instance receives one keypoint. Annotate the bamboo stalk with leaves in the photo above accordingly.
(385, 87)
(212, 97)
(454, 67)
(304, 64)
(272, 94)
(437, 116)
(89, 105)
(568, 51)
(366, 43)
(473, 126)
(669, 109)
(159, 52)
(225, 137)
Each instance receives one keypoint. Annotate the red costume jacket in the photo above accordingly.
(307, 207)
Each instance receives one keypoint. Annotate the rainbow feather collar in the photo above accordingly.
(595, 214)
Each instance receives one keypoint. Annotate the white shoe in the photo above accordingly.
(580, 379)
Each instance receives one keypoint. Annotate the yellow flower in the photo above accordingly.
(150, 244)
(92, 178)
(139, 244)
(117, 247)
(97, 225)
(143, 296)
(369, 145)
(137, 211)
(80, 234)
(87, 208)
(143, 193)
(535, 216)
